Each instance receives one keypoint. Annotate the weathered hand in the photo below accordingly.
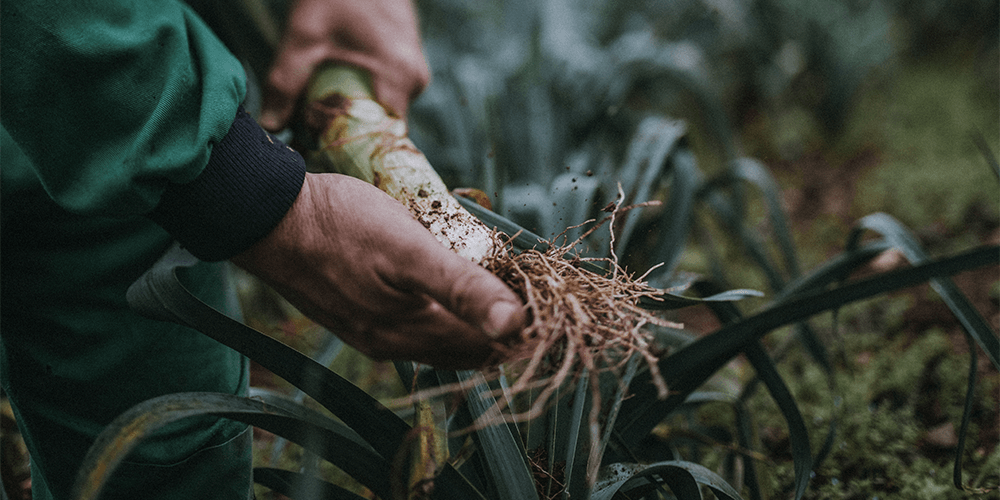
(380, 36)
(354, 260)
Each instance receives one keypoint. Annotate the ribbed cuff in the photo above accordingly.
(250, 182)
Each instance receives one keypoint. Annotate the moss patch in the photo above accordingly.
(898, 411)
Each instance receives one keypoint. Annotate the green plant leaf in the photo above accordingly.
(317, 433)
(452, 485)
(976, 329)
(329, 349)
(523, 240)
(647, 161)
(674, 231)
(160, 294)
(673, 301)
(897, 235)
(501, 448)
(963, 429)
(285, 482)
(744, 427)
(683, 478)
(689, 367)
(984, 148)
(616, 402)
(573, 198)
(577, 448)
(834, 269)
(753, 172)
(745, 432)
(656, 67)
(802, 459)
(726, 209)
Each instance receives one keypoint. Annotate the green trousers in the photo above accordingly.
(73, 356)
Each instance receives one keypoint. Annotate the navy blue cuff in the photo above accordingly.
(250, 182)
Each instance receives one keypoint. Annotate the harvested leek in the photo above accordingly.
(581, 322)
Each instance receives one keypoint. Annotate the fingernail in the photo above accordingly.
(499, 318)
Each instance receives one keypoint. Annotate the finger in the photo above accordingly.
(395, 90)
(468, 291)
(286, 81)
(391, 98)
(433, 336)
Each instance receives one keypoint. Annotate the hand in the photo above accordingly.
(355, 261)
(380, 36)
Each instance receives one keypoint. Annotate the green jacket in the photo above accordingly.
(122, 131)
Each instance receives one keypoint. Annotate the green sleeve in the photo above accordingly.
(113, 100)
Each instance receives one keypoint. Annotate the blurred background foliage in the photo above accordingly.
(524, 89)
(854, 106)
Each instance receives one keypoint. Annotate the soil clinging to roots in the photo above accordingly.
(585, 321)
(582, 321)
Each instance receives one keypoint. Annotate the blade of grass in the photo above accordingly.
(752, 172)
(555, 438)
(274, 399)
(609, 423)
(802, 459)
(452, 485)
(970, 390)
(673, 301)
(744, 435)
(160, 294)
(745, 431)
(681, 482)
(833, 269)
(726, 209)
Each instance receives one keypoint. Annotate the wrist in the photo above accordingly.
(250, 182)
